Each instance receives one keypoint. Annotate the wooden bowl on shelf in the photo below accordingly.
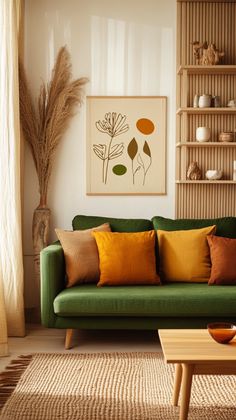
(222, 332)
(226, 136)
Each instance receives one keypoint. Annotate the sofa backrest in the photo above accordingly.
(81, 222)
(225, 226)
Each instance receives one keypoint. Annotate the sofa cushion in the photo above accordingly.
(81, 254)
(185, 255)
(169, 300)
(225, 226)
(223, 257)
(127, 258)
(81, 222)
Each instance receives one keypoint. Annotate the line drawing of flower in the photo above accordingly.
(113, 125)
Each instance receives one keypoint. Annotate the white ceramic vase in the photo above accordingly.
(204, 101)
(203, 134)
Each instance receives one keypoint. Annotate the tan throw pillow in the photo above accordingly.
(81, 254)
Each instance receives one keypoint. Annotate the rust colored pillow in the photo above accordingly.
(81, 254)
(223, 256)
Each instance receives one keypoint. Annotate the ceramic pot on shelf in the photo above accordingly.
(204, 101)
(214, 174)
(203, 134)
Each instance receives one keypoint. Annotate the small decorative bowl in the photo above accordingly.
(226, 136)
(222, 332)
(232, 103)
(214, 174)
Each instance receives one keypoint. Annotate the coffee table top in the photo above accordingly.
(193, 346)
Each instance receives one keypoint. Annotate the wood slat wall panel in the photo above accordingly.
(210, 21)
(217, 123)
(202, 201)
(213, 22)
(216, 85)
(215, 158)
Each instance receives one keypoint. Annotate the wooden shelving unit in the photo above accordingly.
(206, 144)
(201, 20)
(197, 69)
(205, 181)
(205, 111)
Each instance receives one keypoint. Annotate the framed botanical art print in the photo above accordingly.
(126, 145)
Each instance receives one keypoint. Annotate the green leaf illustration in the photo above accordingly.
(132, 149)
(146, 149)
(119, 169)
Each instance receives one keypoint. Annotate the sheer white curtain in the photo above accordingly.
(130, 58)
(3, 326)
(11, 260)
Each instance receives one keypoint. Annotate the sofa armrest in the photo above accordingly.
(52, 273)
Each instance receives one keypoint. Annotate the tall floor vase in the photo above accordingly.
(40, 232)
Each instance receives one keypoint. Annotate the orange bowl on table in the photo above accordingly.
(222, 332)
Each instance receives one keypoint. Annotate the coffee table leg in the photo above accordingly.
(186, 390)
(177, 383)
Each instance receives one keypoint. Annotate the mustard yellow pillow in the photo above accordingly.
(81, 254)
(126, 258)
(185, 255)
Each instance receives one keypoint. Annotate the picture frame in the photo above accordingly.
(126, 145)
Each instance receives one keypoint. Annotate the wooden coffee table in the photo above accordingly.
(195, 353)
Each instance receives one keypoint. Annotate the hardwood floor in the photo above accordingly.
(43, 340)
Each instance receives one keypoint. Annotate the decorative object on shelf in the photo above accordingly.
(43, 128)
(216, 101)
(196, 101)
(226, 136)
(194, 173)
(232, 103)
(206, 54)
(203, 134)
(204, 101)
(234, 170)
(214, 174)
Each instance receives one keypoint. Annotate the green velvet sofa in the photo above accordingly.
(172, 305)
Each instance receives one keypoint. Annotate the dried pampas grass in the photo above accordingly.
(44, 125)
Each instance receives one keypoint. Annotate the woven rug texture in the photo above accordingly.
(107, 386)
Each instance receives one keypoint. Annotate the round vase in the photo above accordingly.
(203, 134)
(204, 101)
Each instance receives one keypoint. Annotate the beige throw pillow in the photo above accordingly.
(81, 254)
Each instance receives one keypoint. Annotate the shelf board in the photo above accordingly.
(206, 181)
(197, 69)
(195, 111)
(206, 144)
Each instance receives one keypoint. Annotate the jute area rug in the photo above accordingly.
(119, 386)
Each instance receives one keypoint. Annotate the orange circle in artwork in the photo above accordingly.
(145, 125)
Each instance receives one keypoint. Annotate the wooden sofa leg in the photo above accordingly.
(68, 340)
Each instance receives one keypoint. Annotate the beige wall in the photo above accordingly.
(125, 47)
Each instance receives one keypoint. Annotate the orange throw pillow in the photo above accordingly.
(223, 257)
(81, 254)
(127, 258)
